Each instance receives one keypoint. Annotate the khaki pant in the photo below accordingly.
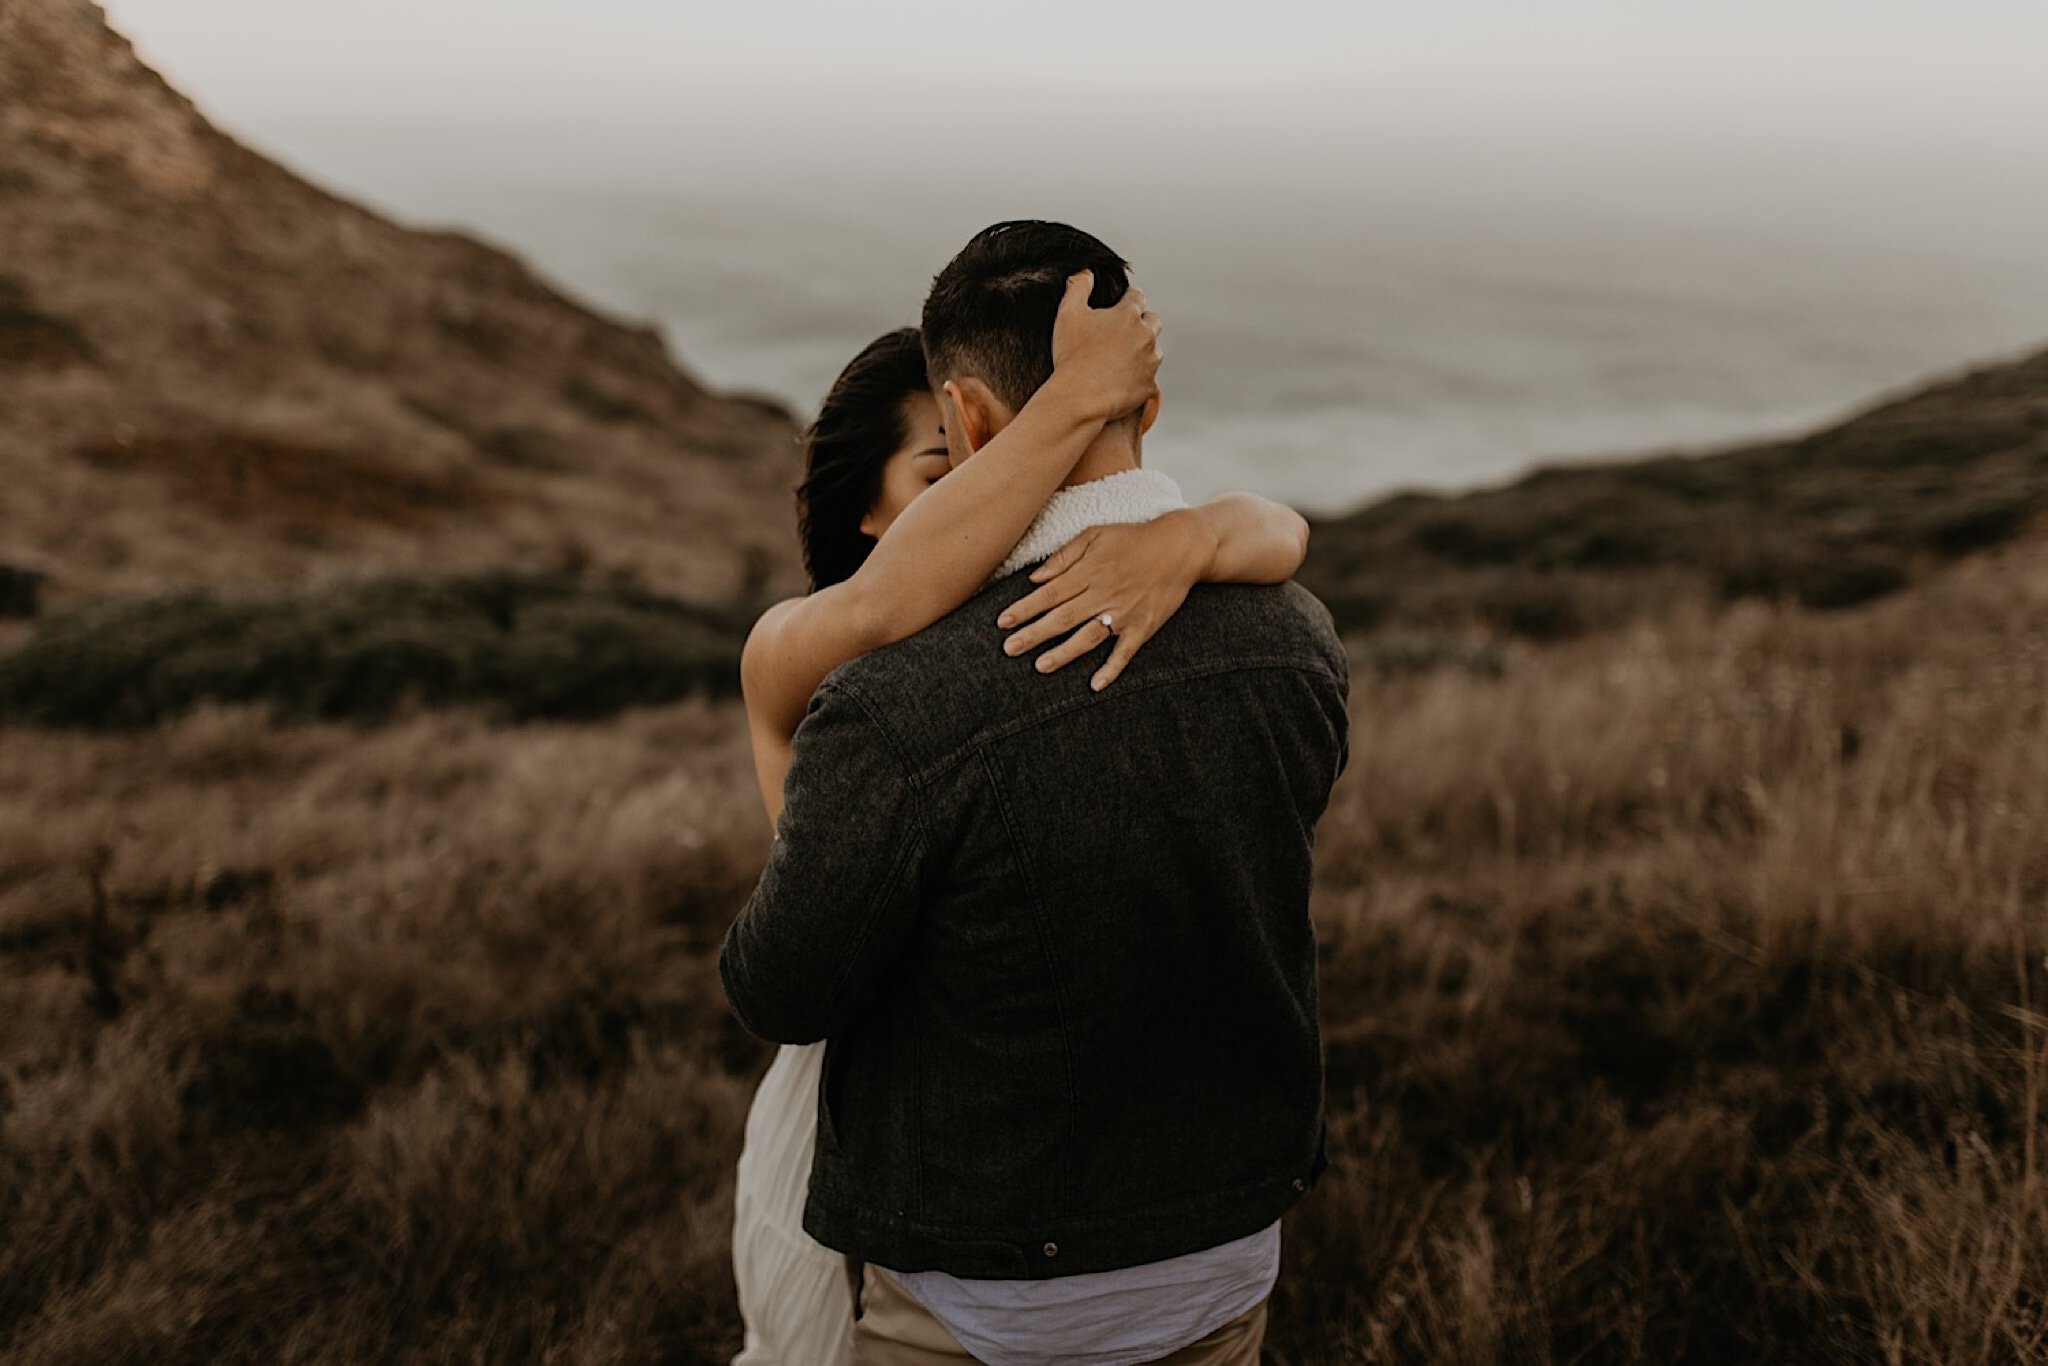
(895, 1330)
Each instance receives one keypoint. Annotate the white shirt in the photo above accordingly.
(1114, 500)
(1103, 1318)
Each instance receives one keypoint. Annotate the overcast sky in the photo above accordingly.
(1741, 192)
(1971, 67)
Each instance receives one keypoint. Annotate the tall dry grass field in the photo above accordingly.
(1683, 991)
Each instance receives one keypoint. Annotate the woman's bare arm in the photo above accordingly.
(952, 537)
(1250, 539)
(771, 731)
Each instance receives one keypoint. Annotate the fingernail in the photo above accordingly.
(1004, 620)
(1011, 647)
(1045, 666)
(1099, 684)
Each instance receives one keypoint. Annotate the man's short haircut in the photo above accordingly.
(990, 311)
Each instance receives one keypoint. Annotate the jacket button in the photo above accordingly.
(1052, 1249)
(1300, 1184)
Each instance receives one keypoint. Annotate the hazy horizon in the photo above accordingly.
(1394, 246)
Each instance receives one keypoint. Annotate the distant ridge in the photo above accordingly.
(1831, 519)
(214, 373)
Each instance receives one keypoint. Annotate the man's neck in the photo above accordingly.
(1115, 450)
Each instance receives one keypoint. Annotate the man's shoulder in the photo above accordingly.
(1275, 617)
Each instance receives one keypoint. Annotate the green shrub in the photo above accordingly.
(1818, 578)
(20, 591)
(1539, 607)
(1979, 523)
(523, 646)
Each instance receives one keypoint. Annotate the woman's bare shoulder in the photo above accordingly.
(774, 618)
(765, 641)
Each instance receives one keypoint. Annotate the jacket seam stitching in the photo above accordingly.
(915, 789)
(913, 782)
(867, 921)
(1052, 963)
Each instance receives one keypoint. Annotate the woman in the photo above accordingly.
(894, 539)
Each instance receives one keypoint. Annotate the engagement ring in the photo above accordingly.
(1107, 624)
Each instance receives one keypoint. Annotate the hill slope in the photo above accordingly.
(1837, 517)
(212, 372)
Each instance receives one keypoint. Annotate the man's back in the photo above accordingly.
(1063, 949)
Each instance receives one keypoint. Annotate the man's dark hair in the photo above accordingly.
(860, 425)
(990, 311)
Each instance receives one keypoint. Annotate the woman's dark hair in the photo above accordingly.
(859, 427)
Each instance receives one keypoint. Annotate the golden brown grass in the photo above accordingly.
(1682, 991)
(412, 1045)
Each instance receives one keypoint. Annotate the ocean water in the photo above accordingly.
(1334, 333)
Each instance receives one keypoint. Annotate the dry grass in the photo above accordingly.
(1681, 996)
(409, 1043)
(1682, 989)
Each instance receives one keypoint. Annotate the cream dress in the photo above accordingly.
(794, 1297)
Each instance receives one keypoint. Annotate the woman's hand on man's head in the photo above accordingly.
(1106, 359)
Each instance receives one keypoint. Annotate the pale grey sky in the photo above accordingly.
(1960, 67)
(1421, 240)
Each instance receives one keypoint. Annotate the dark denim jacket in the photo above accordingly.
(1059, 939)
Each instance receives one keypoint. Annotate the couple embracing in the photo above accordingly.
(1035, 938)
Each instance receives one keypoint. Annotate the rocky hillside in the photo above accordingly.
(213, 373)
(1831, 519)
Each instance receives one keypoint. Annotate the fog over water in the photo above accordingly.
(1367, 286)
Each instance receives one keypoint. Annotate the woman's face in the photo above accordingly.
(918, 463)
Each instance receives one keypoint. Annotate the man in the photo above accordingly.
(1058, 937)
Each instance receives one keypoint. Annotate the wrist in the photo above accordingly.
(1084, 404)
(1197, 541)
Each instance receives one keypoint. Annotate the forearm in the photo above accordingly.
(947, 542)
(1250, 539)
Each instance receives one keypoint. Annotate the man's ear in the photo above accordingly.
(1149, 416)
(977, 414)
